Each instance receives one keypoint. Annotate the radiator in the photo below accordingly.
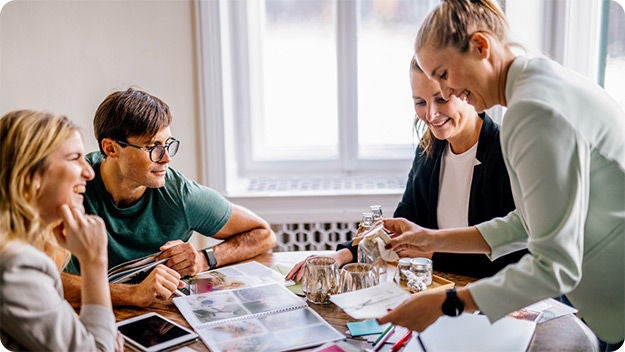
(312, 236)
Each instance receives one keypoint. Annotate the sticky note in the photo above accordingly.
(365, 327)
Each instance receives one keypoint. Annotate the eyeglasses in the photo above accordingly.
(157, 151)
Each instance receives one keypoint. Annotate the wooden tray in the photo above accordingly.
(438, 283)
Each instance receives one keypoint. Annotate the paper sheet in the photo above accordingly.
(473, 332)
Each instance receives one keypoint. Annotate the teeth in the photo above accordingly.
(80, 189)
(439, 124)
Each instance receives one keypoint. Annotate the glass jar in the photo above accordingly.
(403, 267)
(422, 268)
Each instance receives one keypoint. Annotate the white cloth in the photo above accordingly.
(455, 187)
(563, 142)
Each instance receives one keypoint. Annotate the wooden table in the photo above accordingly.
(566, 333)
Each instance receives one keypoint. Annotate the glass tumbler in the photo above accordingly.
(356, 276)
(322, 279)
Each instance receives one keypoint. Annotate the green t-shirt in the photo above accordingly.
(169, 213)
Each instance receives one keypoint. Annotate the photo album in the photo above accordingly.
(265, 317)
(134, 271)
(239, 275)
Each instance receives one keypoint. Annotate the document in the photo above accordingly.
(266, 317)
(372, 302)
(473, 332)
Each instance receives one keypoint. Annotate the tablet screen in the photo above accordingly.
(154, 330)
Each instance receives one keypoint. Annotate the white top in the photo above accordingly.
(455, 187)
(563, 142)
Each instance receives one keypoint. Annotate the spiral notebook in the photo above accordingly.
(266, 317)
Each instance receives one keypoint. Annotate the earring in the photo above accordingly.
(37, 186)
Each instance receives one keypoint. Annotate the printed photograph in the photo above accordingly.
(235, 330)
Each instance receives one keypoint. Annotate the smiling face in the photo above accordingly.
(64, 178)
(137, 170)
(451, 119)
(465, 75)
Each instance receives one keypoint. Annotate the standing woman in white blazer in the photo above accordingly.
(563, 143)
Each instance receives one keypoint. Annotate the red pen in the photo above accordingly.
(396, 347)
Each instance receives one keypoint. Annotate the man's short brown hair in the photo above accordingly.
(130, 113)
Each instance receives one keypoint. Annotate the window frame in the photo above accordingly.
(217, 82)
(245, 84)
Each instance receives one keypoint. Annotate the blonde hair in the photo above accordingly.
(454, 21)
(27, 138)
(426, 139)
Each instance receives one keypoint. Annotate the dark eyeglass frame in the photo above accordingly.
(171, 147)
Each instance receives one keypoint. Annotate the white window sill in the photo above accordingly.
(320, 200)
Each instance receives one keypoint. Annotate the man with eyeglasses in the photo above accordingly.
(149, 207)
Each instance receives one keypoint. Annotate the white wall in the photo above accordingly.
(66, 56)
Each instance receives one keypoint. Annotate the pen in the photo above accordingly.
(388, 328)
(382, 339)
(421, 343)
(396, 347)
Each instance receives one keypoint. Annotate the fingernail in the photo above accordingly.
(388, 246)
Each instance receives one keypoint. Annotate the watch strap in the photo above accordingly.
(453, 305)
(210, 258)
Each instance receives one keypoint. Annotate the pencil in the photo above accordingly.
(388, 328)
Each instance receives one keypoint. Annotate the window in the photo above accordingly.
(315, 94)
(318, 87)
(613, 50)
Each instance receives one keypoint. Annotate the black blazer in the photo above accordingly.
(490, 197)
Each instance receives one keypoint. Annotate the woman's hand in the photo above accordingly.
(417, 312)
(408, 238)
(119, 342)
(83, 235)
(408, 251)
(343, 256)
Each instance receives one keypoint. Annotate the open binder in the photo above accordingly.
(134, 271)
(266, 317)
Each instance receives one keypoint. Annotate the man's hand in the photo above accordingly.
(161, 283)
(183, 257)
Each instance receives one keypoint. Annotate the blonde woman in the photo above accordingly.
(43, 174)
(563, 142)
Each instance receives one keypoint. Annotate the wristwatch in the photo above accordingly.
(453, 305)
(211, 260)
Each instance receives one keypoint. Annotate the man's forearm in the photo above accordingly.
(244, 246)
(71, 288)
(121, 294)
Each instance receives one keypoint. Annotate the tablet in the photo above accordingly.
(152, 332)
